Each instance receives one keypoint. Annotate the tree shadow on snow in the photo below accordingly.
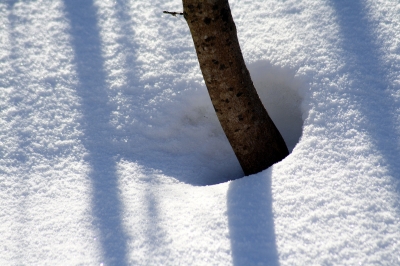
(251, 223)
(106, 202)
(367, 70)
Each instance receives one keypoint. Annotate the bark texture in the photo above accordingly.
(253, 136)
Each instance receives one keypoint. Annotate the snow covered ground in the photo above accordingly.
(111, 153)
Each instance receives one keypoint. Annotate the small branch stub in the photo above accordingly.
(173, 13)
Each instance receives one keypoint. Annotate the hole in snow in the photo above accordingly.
(187, 141)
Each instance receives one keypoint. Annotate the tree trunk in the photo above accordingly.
(253, 136)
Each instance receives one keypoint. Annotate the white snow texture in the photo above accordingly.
(111, 152)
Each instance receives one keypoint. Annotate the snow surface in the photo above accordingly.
(111, 153)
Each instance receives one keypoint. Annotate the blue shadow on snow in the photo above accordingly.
(251, 221)
(367, 70)
(106, 203)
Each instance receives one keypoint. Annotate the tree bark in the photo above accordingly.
(253, 136)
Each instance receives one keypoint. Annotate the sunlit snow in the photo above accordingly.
(111, 152)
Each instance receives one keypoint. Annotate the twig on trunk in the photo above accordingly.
(173, 13)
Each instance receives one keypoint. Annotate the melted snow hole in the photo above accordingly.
(190, 141)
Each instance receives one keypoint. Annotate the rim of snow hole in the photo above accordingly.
(201, 148)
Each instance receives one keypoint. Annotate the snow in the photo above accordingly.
(111, 153)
